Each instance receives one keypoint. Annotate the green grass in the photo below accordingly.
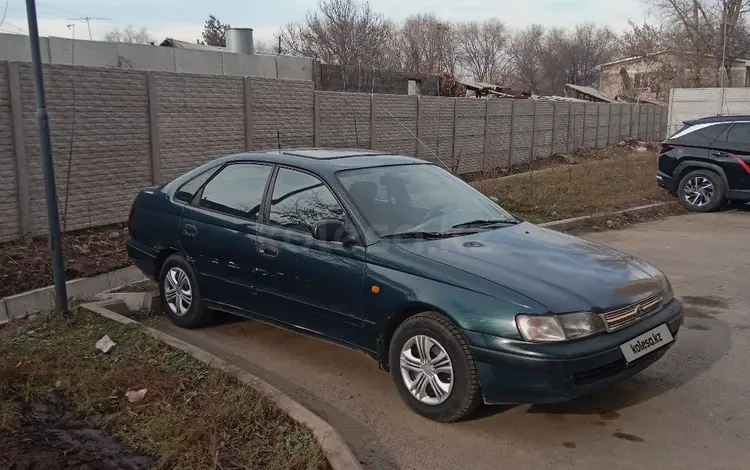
(581, 189)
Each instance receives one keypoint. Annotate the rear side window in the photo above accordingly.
(237, 190)
(739, 133)
(187, 191)
(701, 132)
(712, 132)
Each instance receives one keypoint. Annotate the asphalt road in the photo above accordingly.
(691, 410)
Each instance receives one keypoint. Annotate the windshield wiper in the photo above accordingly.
(425, 235)
(484, 222)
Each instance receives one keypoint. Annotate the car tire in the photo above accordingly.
(438, 336)
(696, 197)
(180, 295)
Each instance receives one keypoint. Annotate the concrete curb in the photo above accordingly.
(85, 288)
(566, 224)
(339, 456)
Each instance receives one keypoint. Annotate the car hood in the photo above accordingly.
(561, 272)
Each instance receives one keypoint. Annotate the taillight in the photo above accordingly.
(666, 147)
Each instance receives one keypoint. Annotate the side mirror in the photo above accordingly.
(495, 199)
(330, 230)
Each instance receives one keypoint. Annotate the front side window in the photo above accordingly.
(237, 190)
(422, 197)
(300, 200)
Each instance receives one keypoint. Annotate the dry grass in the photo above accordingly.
(580, 189)
(192, 417)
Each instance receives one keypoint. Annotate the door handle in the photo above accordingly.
(719, 154)
(268, 250)
(190, 230)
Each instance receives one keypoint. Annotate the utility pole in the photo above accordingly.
(50, 192)
(88, 20)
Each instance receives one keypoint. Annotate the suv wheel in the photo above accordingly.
(180, 296)
(433, 368)
(701, 191)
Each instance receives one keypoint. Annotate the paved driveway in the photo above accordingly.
(691, 410)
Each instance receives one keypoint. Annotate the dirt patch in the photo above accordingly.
(26, 265)
(144, 286)
(49, 435)
(189, 415)
(624, 220)
(573, 190)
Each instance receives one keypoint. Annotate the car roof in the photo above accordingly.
(322, 159)
(717, 119)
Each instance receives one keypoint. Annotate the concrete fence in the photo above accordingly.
(115, 131)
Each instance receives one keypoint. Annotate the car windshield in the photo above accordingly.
(419, 198)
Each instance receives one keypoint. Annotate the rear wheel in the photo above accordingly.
(180, 296)
(434, 369)
(701, 191)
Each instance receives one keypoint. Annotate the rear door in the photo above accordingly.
(732, 152)
(218, 232)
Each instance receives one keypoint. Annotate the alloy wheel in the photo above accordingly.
(426, 369)
(699, 191)
(177, 291)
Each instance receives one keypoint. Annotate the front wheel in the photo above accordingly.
(434, 369)
(701, 191)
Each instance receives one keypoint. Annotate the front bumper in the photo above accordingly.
(513, 371)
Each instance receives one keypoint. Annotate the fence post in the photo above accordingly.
(554, 121)
(598, 115)
(247, 91)
(418, 150)
(619, 129)
(511, 136)
(533, 131)
(570, 123)
(19, 149)
(583, 129)
(486, 146)
(609, 125)
(316, 119)
(153, 128)
(372, 122)
(455, 133)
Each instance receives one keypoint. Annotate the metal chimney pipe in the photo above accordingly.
(240, 40)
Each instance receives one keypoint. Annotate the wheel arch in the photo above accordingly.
(161, 257)
(687, 166)
(395, 320)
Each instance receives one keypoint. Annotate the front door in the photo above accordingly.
(218, 233)
(312, 284)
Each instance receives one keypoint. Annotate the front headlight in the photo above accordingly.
(666, 288)
(554, 328)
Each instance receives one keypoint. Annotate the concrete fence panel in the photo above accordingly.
(436, 128)
(591, 124)
(577, 125)
(499, 126)
(200, 117)
(543, 125)
(343, 119)
(395, 123)
(561, 128)
(10, 211)
(100, 143)
(523, 131)
(602, 129)
(281, 112)
(470, 127)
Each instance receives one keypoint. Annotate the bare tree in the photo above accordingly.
(524, 51)
(427, 45)
(341, 32)
(214, 32)
(129, 34)
(483, 50)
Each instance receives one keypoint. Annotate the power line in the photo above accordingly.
(88, 20)
(5, 13)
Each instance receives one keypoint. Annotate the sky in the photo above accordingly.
(184, 19)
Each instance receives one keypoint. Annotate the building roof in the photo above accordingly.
(590, 92)
(176, 43)
(654, 54)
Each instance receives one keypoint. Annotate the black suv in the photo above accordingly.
(707, 162)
